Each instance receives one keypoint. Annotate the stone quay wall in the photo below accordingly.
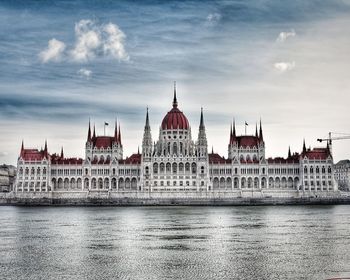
(99, 198)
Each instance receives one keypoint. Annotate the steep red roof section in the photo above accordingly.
(103, 141)
(217, 159)
(247, 141)
(56, 159)
(133, 159)
(32, 154)
(317, 153)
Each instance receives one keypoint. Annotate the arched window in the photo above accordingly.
(202, 169)
(44, 171)
(311, 170)
(175, 149)
(168, 148)
(181, 167)
(174, 167)
(194, 168)
(147, 170)
(155, 168)
(181, 148)
(187, 167)
(161, 167)
(168, 167)
(38, 171)
(305, 170)
(329, 170)
(317, 170)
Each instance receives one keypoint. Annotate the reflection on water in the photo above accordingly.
(311, 242)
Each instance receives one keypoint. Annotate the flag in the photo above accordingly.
(246, 123)
(106, 123)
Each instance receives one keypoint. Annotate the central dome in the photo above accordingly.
(175, 119)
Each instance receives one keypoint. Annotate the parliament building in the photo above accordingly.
(175, 163)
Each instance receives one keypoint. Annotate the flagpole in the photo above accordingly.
(245, 128)
(104, 129)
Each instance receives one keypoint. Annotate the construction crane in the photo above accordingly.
(330, 138)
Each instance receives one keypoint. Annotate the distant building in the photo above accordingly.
(176, 163)
(7, 177)
(342, 174)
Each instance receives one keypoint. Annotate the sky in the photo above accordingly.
(65, 62)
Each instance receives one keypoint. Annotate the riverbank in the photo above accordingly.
(244, 198)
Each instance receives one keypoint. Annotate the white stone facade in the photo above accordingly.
(174, 164)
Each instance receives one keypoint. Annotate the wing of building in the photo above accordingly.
(175, 163)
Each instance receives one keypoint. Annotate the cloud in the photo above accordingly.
(213, 18)
(114, 43)
(284, 66)
(88, 40)
(91, 41)
(283, 36)
(84, 73)
(53, 52)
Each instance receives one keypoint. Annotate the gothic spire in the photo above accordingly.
(261, 132)
(62, 155)
(256, 130)
(304, 146)
(89, 133)
(289, 153)
(175, 99)
(94, 133)
(201, 124)
(22, 148)
(147, 120)
(231, 134)
(119, 135)
(116, 131)
(234, 129)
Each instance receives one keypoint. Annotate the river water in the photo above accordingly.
(268, 242)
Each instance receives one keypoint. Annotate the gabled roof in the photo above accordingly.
(217, 159)
(33, 155)
(133, 159)
(56, 159)
(317, 153)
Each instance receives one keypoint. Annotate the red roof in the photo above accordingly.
(103, 141)
(133, 159)
(32, 154)
(217, 159)
(175, 119)
(247, 141)
(317, 153)
(56, 159)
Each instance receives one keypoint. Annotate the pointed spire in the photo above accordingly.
(138, 150)
(304, 146)
(175, 99)
(116, 131)
(289, 153)
(119, 135)
(231, 134)
(22, 149)
(260, 132)
(147, 119)
(234, 129)
(212, 149)
(89, 133)
(201, 123)
(45, 148)
(256, 130)
(94, 134)
(62, 155)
